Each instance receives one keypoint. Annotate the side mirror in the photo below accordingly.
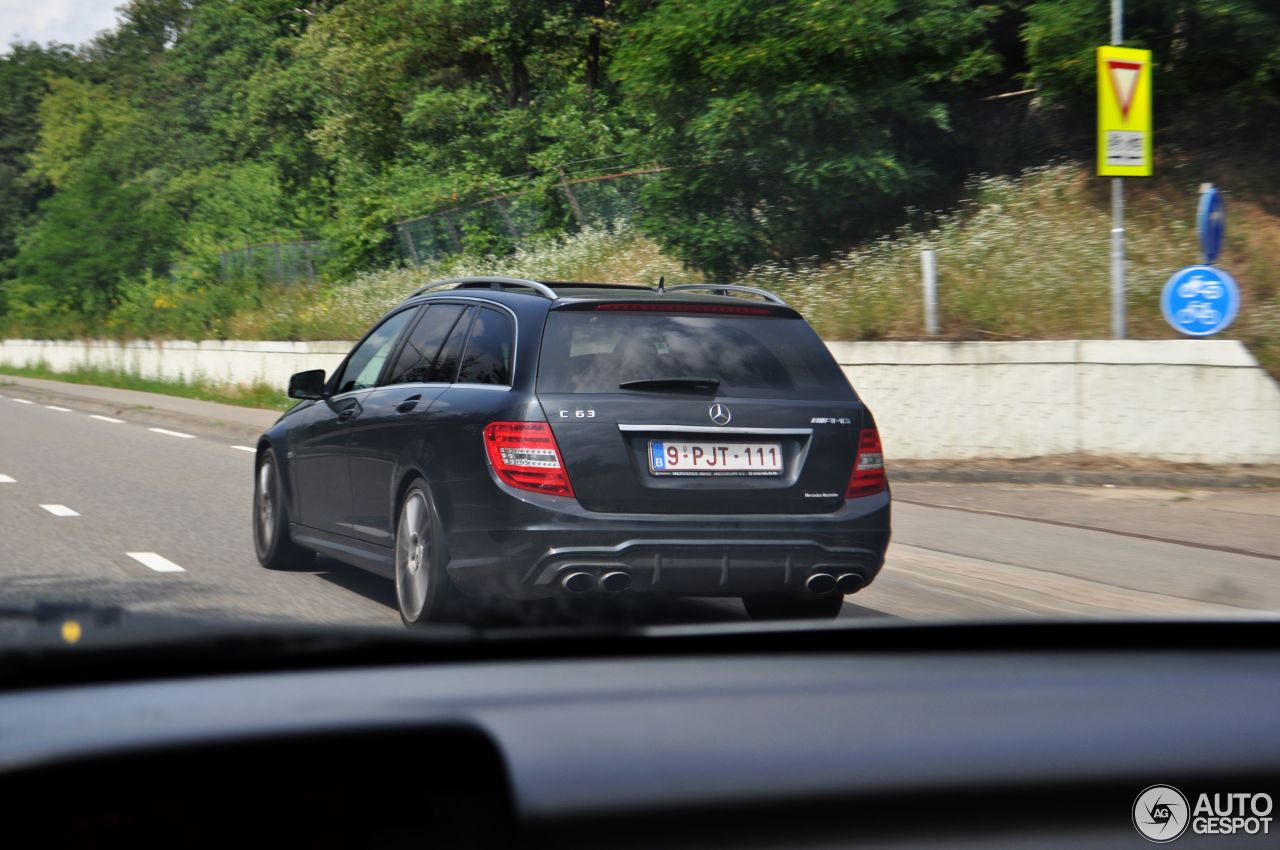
(308, 384)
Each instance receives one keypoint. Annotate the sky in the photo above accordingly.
(65, 21)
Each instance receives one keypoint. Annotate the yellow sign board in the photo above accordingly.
(1124, 112)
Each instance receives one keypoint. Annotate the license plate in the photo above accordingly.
(675, 458)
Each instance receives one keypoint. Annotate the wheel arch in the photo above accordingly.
(408, 476)
(283, 473)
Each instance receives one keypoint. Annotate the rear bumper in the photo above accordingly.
(529, 550)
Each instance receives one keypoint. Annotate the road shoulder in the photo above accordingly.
(209, 418)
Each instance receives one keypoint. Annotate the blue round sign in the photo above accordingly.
(1200, 300)
(1211, 224)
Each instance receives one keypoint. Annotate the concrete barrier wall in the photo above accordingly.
(231, 362)
(1204, 401)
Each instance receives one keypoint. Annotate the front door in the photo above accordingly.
(318, 459)
(318, 452)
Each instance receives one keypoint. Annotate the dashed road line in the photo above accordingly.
(5, 479)
(24, 401)
(169, 433)
(244, 448)
(60, 510)
(59, 409)
(155, 562)
(101, 418)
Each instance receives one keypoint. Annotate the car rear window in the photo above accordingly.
(752, 357)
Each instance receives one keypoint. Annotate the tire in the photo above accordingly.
(271, 540)
(424, 593)
(776, 607)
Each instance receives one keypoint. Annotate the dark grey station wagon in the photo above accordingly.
(506, 437)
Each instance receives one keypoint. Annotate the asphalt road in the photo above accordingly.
(131, 509)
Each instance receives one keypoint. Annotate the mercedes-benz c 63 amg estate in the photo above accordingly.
(503, 437)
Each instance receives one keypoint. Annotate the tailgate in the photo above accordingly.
(665, 455)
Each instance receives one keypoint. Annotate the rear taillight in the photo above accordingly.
(868, 466)
(525, 455)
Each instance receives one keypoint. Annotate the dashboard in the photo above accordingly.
(902, 737)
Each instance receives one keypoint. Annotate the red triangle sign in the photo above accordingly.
(1124, 82)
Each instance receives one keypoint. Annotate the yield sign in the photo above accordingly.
(1124, 112)
(1124, 82)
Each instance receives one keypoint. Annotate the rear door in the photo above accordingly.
(392, 427)
(677, 406)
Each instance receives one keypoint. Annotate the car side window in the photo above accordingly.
(445, 369)
(422, 348)
(488, 356)
(365, 363)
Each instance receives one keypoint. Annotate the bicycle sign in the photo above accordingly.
(1200, 300)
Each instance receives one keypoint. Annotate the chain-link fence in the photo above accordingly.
(583, 196)
(588, 193)
(274, 262)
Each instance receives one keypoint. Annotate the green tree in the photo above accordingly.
(91, 236)
(1216, 61)
(25, 72)
(439, 102)
(795, 126)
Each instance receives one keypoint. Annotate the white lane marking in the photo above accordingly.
(23, 401)
(244, 448)
(173, 433)
(105, 418)
(5, 479)
(59, 409)
(59, 510)
(155, 562)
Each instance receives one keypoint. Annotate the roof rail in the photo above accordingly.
(725, 289)
(489, 283)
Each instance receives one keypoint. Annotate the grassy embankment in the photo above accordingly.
(254, 395)
(1021, 259)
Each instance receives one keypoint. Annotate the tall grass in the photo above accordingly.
(252, 395)
(1021, 258)
(1024, 258)
(347, 310)
(1029, 258)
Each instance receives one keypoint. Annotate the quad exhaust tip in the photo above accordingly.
(615, 582)
(579, 582)
(850, 583)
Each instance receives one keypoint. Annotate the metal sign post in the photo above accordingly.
(1124, 140)
(1117, 258)
(1117, 207)
(929, 273)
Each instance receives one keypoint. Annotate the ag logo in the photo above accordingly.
(720, 414)
(1160, 813)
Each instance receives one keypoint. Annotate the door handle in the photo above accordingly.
(408, 404)
(347, 413)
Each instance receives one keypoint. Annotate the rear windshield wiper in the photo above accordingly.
(708, 384)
